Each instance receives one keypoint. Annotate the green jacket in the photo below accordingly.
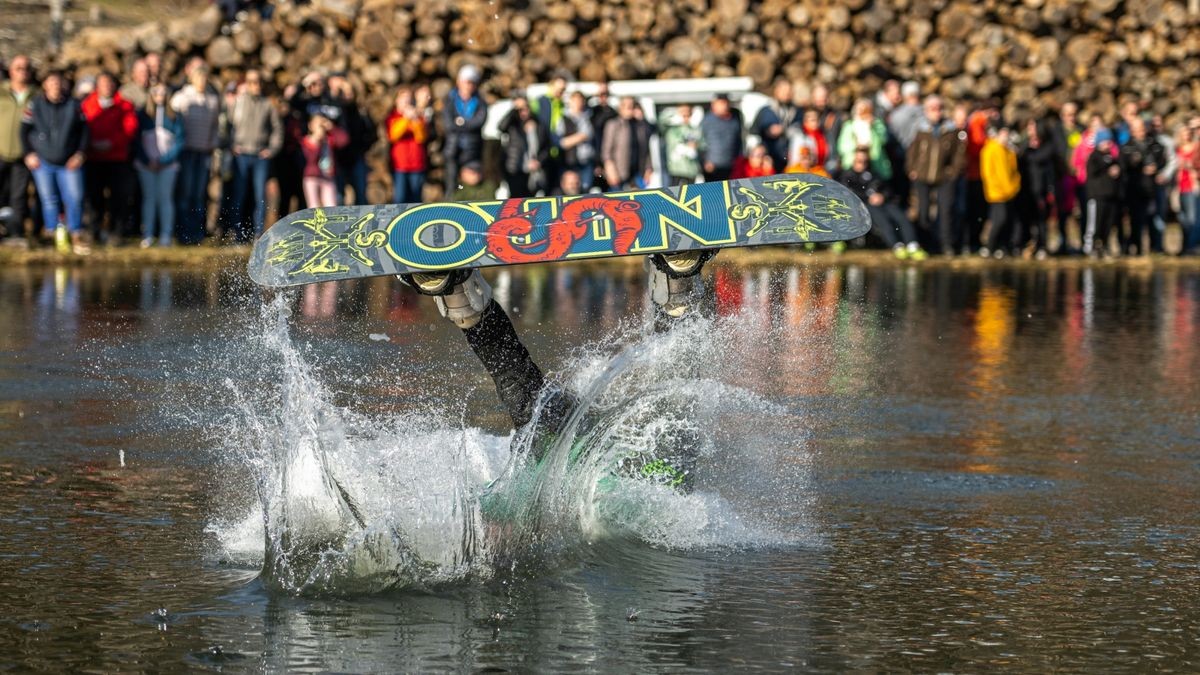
(848, 143)
(11, 113)
(684, 145)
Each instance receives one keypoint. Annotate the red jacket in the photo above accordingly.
(111, 130)
(407, 137)
(313, 167)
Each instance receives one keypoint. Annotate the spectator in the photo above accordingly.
(137, 89)
(320, 163)
(1103, 186)
(1164, 181)
(1037, 159)
(813, 134)
(601, 113)
(887, 218)
(1142, 158)
(256, 135)
(888, 99)
(569, 185)
(288, 165)
(575, 139)
(464, 114)
(471, 185)
(157, 162)
(626, 151)
(352, 159)
(1187, 152)
(108, 174)
(526, 150)
(906, 120)
(975, 202)
(1064, 133)
(407, 133)
(316, 98)
(721, 131)
(200, 108)
(756, 164)
(775, 121)
(153, 62)
(1130, 111)
(1001, 184)
(681, 140)
(53, 138)
(549, 110)
(936, 160)
(864, 130)
(15, 98)
(804, 161)
(830, 121)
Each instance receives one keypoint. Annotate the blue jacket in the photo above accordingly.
(172, 124)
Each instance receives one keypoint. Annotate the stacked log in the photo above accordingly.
(1029, 52)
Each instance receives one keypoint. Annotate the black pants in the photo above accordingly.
(288, 170)
(1006, 226)
(14, 193)
(1141, 217)
(890, 224)
(109, 187)
(977, 212)
(718, 173)
(1101, 216)
(949, 234)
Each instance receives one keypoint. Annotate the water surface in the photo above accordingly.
(904, 468)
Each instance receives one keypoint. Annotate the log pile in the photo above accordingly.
(1029, 52)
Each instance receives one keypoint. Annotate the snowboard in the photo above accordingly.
(350, 242)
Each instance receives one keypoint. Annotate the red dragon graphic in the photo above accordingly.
(561, 234)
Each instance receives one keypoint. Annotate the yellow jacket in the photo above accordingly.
(998, 169)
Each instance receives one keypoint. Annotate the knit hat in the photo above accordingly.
(1103, 135)
(470, 73)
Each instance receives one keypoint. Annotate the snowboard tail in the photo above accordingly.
(347, 242)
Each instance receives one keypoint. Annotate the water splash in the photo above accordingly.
(351, 505)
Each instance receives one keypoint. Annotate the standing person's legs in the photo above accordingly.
(358, 180)
(99, 179)
(948, 227)
(149, 182)
(193, 178)
(1090, 223)
(450, 173)
(977, 211)
(14, 180)
(259, 173)
(47, 188)
(329, 193)
(122, 191)
(901, 224)
(1000, 225)
(70, 186)
(882, 225)
(242, 177)
(1188, 204)
(312, 191)
(924, 228)
(1139, 214)
(164, 197)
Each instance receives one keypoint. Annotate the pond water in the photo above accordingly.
(899, 469)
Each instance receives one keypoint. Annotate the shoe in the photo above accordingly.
(147, 242)
(673, 280)
(1041, 254)
(461, 295)
(918, 254)
(998, 254)
(899, 251)
(984, 252)
(838, 247)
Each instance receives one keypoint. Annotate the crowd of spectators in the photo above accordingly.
(114, 161)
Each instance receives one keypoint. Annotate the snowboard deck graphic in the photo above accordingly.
(348, 242)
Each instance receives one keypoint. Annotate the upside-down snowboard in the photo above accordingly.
(346, 242)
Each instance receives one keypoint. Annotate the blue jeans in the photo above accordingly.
(1189, 211)
(407, 186)
(194, 167)
(249, 170)
(158, 202)
(60, 188)
(353, 174)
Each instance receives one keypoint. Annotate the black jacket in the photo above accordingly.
(864, 184)
(1100, 185)
(54, 131)
(517, 143)
(1135, 157)
(464, 132)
